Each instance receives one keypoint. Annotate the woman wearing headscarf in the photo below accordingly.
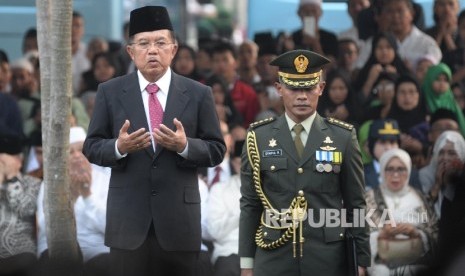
(337, 101)
(408, 107)
(409, 110)
(449, 148)
(383, 58)
(438, 94)
(401, 215)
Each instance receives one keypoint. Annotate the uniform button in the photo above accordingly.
(265, 234)
(300, 170)
(341, 235)
(154, 192)
(272, 167)
(154, 166)
(301, 193)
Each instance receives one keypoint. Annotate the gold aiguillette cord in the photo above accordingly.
(297, 222)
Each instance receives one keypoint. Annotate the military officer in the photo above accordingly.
(300, 173)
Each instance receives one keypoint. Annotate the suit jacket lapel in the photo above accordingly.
(284, 138)
(315, 139)
(175, 104)
(131, 101)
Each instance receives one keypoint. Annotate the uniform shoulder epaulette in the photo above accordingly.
(261, 122)
(340, 123)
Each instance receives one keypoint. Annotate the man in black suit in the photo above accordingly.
(154, 128)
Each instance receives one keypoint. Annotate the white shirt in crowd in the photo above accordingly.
(90, 214)
(223, 217)
(79, 64)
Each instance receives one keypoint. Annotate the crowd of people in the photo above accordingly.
(401, 84)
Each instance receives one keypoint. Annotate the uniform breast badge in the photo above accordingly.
(272, 143)
(328, 159)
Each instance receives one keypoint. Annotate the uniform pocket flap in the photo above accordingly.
(191, 195)
(271, 234)
(333, 234)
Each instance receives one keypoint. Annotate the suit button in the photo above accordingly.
(272, 167)
(300, 170)
(154, 192)
(341, 235)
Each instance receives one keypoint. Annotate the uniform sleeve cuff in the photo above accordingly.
(246, 263)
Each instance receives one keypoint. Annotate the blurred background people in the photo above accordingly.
(184, 62)
(311, 36)
(89, 189)
(18, 197)
(79, 62)
(449, 146)
(438, 94)
(444, 31)
(410, 220)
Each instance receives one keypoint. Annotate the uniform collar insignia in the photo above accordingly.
(272, 143)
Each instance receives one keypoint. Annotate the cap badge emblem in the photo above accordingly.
(388, 129)
(301, 63)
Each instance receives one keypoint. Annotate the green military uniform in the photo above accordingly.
(328, 175)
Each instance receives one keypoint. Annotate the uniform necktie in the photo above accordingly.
(216, 178)
(155, 109)
(299, 146)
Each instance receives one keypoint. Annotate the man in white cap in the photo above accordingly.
(89, 190)
(311, 37)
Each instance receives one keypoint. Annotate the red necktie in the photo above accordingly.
(216, 178)
(155, 109)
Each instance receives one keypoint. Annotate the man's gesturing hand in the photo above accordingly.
(172, 140)
(135, 141)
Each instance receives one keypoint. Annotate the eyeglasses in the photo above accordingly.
(144, 45)
(393, 170)
(383, 87)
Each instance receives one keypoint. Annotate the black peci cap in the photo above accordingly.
(300, 68)
(149, 18)
(266, 43)
(442, 113)
(11, 144)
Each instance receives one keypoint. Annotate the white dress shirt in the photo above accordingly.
(307, 124)
(162, 95)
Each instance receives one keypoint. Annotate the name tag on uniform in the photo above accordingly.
(272, 153)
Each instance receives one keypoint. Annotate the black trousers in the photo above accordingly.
(18, 265)
(204, 265)
(152, 260)
(228, 266)
(97, 266)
